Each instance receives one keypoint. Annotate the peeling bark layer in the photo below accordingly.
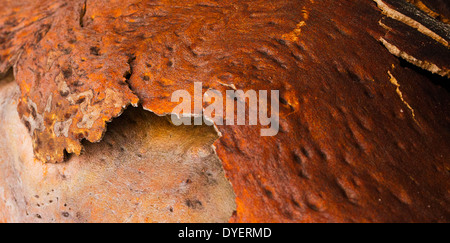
(362, 137)
(416, 37)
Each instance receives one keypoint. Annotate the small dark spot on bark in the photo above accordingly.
(64, 93)
(67, 51)
(33, 112)
(95, 51)
(306, 152)
(65, 214)
(44, 30)
(28, 125)
(281, 42)
(288, 214)
(268, 193)
(38, 141)
(48, 121)
(323, 155)
(194, 204)
(314, 207)
(303, 175)
(369, 93)
(81, 100)
(297, 159)
(295, 203)
(77, 83)
(12, 22)
(131, 57)
(67, 73)
(79, 135)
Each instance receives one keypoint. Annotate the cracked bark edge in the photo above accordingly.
(433, 68)
(410, 15)
(415, 37)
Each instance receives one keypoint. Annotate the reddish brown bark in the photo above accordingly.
(363, 137)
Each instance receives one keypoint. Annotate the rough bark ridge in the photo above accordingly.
(363, 137)
(415, 36)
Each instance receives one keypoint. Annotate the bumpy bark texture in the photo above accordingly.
(364, 136)
(415, 36)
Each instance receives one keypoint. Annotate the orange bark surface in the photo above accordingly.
(364, 137)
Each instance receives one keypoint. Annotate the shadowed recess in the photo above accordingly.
(144, 170)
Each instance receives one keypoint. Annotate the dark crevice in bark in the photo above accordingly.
(129, 73)
(8, 74)
(83, 13)
(434, 78)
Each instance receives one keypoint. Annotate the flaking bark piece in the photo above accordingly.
(71, 81)
(416, 48)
